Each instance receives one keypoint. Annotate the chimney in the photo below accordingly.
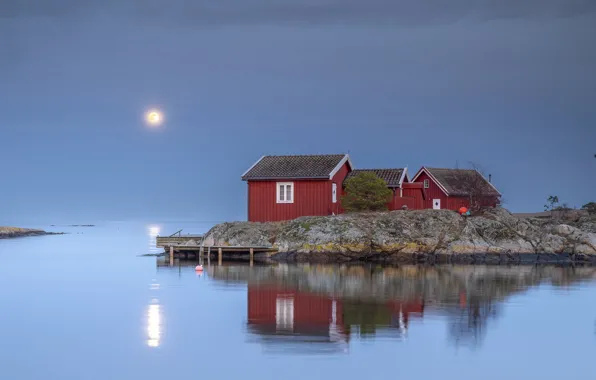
(490, 178)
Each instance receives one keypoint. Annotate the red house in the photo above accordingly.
(411, 195)
(287, 187)
(454, 188)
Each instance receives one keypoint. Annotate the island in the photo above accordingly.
(430, 236)
(14, 232)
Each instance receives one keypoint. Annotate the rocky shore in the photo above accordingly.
(14, 232)
(495, 236)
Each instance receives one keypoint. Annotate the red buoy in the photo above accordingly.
(462, 210)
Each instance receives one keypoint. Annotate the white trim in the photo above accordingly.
(403, 176)
(277, 193)
(333, 192)
(253, 165)
(340, 164)
(418, 174)
(487, 181)
(423, 169)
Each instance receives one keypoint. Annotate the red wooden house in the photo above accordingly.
(454, 188)
(287, 187)
(407, 194)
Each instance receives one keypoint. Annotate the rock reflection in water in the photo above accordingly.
(316, 308)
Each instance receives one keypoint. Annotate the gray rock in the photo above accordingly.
(395, 234)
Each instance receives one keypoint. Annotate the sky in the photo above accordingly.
(509, 86)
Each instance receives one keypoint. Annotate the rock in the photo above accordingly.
(399, 235)
(13, 232)
(242, 234)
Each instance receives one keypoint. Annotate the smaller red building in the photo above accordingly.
(454, 188)
(411, 195)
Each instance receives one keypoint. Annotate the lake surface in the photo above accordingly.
(85, 306)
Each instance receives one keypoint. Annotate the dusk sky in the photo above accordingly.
(509, 85)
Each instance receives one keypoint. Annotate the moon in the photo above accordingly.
(154, 118)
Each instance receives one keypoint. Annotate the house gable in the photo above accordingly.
(432, 178)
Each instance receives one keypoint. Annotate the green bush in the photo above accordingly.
(366, 192)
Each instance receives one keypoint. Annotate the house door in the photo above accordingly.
(436, 204)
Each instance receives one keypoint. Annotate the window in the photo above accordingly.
(426, 183)
(334, 193)
(285, 192)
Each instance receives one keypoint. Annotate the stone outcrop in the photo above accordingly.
(407, 235)
(13, 232)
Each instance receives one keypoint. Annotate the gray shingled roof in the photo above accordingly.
(391, 176)
(458, 181)
(294, 167)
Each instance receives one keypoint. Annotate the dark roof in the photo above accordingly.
(459, 181)
(294, 167)
(391, 176)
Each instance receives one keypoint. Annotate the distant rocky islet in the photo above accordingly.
(15, 232)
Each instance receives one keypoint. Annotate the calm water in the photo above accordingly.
(85, 306)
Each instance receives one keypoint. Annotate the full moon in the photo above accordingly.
(154, 118)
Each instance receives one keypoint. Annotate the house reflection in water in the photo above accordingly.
(293, 320)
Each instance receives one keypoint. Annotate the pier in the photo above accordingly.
(192, 246)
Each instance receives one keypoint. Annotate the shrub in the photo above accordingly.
(366, 192)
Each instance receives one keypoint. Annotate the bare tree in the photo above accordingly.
(474, 185)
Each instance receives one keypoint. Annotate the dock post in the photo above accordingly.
(201, 252)
(252, 256)
(219, 255)
(208, 256)
(171, 255)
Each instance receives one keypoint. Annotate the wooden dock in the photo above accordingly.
(192, 246)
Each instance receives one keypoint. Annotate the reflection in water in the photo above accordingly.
(153, 232)
(319, 308)
(284, 317)
(154, 324)
(154, 319)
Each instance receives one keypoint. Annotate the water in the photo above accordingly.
(85, 306)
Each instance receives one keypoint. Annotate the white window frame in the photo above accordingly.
(334, 192)
(285, 185)
(427, 183)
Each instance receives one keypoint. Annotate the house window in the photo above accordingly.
(334, 193)
(285, 192)
(426, 183)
